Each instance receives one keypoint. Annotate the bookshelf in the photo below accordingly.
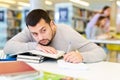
(80, 18)
(3, 27)
(13, 23)
(10, 21)
(51, 14)
(73, 16)
(24, 13)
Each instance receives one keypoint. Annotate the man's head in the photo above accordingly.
(40, 26)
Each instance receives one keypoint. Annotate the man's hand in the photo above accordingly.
(46, 49)
(73, 57)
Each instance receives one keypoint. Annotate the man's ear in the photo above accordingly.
(53, 26)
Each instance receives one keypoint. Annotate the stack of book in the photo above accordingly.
(29, 57)
(38, 56)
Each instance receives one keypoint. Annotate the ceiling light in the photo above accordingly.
(24, 4)
(48, 2)
(8, 1)
(84, 3)
(4, 5)
(20, 8)
(118, 3)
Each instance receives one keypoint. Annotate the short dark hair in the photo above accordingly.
(35, 16)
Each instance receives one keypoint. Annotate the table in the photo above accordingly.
(106, 41)
(95, 71)
(113, 54)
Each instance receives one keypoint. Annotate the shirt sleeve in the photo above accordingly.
(89, 51)
(21, 42)
(92, 53)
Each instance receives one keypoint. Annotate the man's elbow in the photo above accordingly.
(96, 55)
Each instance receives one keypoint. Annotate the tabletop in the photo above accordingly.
(95, 71)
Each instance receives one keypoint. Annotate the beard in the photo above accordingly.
(49, 42)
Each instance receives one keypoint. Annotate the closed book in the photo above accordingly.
(30, 60)
(28, 55)
(16, 68)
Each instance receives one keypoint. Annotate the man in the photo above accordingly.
(42, 34)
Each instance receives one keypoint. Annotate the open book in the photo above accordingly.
(50, 55)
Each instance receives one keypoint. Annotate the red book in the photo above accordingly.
(15, 68)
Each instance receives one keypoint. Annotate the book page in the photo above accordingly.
(50, 55)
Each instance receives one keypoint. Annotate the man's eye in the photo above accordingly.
(43, 30)
(35, 34)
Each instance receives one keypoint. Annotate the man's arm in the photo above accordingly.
(23, 41)
(89, 52)
(92, 53)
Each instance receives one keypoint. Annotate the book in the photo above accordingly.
(35, 56)
(16, 68)
(28, 55)
(40, 53)
(30, 60)
(49, 55)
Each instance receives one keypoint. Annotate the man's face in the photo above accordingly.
(42, 32)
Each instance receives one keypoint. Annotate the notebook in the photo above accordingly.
(15, 68)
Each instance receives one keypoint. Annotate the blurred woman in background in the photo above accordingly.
(98, 31)
(105, 12)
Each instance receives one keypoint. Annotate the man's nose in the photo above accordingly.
(40, 37)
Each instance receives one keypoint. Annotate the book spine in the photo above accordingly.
(30, 57)
(30, 60)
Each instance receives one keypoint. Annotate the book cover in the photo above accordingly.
(15, 68)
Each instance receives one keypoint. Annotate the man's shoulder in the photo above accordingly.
(64, 26)
(26, 30)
